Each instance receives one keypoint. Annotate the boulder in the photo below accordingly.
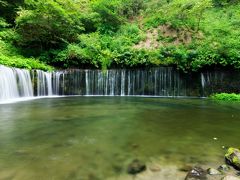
(233, 157)
(135, 167)
(196, 173)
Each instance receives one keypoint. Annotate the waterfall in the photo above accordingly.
(56, 82)
(203, 81)
(24, 83)
(161, 81)
(16, 83)
(8, 84)
(45, 83)
(123, 82)
(87, 82)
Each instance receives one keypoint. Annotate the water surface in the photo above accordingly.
(96, 137)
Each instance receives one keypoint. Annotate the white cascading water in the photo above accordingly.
(24, 83)
(122, 82)
(8, 84)
(17, 83)
(45, 83)
(162, 81)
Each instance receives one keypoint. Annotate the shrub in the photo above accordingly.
(226, 97)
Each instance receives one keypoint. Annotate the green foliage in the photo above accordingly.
(114, 13)
(226, 97)
(98, 50)
(110, 20)
(131, 8)
(224, 2)
(188, 13)
(3, 24)
(8, 9)
(48, 24)
(21, 62)
(104, 34)
(9, 55)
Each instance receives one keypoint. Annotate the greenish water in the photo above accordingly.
(96, 137)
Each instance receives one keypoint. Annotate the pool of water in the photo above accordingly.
(96, 137)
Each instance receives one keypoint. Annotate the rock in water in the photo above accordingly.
(233, 157)
(185, 168)
(230, 178)
(136, 167)
(224, 168)
(212, 171)
(196, 173)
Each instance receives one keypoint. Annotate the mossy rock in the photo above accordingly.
(233, 157)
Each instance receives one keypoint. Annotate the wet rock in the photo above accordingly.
(212, 171)
(233, 157)
(185, 168)
(224, 168)
(135, 167)
(196, 173)
(230, 178)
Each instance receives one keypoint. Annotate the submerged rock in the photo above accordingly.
(233, 157)
(185, 168)
(230, 178)
(224, 168)
(136, 167)
(196, 173)
(212, 171)
(154, 167)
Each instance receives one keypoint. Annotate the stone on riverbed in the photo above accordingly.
(185, 168)
(155, 167)
(136, 167)
(212, 171)
(233, 157)
(224, 168)
(196, 173)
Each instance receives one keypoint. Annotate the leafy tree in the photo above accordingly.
(110, 20)
(131, 8)
(8, 9)
(198, 10)
(186, 12)
(46, 24)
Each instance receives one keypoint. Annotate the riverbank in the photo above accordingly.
(225, 169)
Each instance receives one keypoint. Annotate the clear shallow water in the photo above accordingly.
(96, 137)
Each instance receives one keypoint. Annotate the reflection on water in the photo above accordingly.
(96, 137)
